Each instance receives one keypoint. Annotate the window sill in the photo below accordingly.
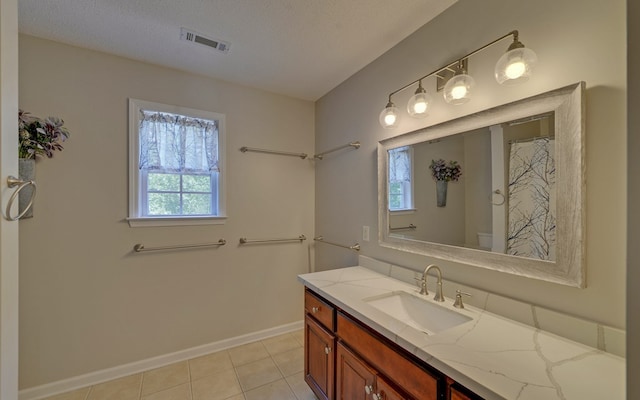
(143, 222)
(405, 211)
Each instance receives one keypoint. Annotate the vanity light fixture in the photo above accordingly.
(458, 88)
(389, 115)
(419, 103)
(515, 66)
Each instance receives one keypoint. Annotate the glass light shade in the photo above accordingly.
(458, 89)
(419, 104)
(389, 116)
(515, 66)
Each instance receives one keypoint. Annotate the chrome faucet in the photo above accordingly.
(423, 289)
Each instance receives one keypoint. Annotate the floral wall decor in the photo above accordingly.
(40, 137)
(443, 173)
(37, 138)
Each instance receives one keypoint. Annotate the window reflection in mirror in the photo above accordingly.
(401, 179)
(504, 200)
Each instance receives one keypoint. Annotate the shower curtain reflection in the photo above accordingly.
(531, 218)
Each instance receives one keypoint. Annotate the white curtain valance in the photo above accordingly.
(177, 143)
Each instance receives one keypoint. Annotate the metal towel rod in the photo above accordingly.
(399, 228)
(249, 241)
(320, 156)
(138, 248)
(282, 153)
(355, 247)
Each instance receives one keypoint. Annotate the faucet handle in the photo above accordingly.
(458, 303)
(422, 284)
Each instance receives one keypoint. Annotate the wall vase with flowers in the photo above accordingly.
(443, 173)
(37, 138)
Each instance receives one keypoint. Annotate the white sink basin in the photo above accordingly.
(417, 312)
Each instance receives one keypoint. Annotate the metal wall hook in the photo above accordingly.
(12, 181)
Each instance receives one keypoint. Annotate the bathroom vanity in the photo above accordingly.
(365, 363)
(364, 340)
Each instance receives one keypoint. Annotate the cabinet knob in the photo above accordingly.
(378, 396)
(327, 350)
(368, 389)
(314, 309)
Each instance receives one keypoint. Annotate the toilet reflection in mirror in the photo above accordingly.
(504, 200)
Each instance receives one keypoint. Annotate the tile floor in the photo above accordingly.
(263, 370)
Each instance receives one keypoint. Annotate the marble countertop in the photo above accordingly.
(495, 357)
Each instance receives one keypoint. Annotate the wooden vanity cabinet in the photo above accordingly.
(319, 349)
(389, 364)
(346, 360)
(356, 380)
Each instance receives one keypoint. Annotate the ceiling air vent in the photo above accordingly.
(195, 37)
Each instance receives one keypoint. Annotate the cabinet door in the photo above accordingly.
(319, 361)
(384, 391)
(406, 374)
(354, 379)
(459, 393)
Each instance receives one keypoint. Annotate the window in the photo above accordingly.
(400, 179)
(176, 170)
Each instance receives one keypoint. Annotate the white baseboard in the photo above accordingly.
(93, 378)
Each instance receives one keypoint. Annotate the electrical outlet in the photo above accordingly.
(365, 233)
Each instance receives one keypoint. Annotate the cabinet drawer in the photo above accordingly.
(412, 378)
(319, 309)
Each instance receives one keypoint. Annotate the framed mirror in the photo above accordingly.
(501, 189)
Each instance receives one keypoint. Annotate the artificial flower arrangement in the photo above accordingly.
(441, 171)
(40, 137)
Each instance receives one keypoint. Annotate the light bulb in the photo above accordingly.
(419, 107)
(516, 65)
(390, 119)
(419, 103)
(458, 92)
(458, 89)
(515, 70)
(389, 116)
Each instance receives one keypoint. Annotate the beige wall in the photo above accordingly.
(576, 40)
(86, 301)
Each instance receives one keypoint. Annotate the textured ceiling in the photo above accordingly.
(300, 48)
